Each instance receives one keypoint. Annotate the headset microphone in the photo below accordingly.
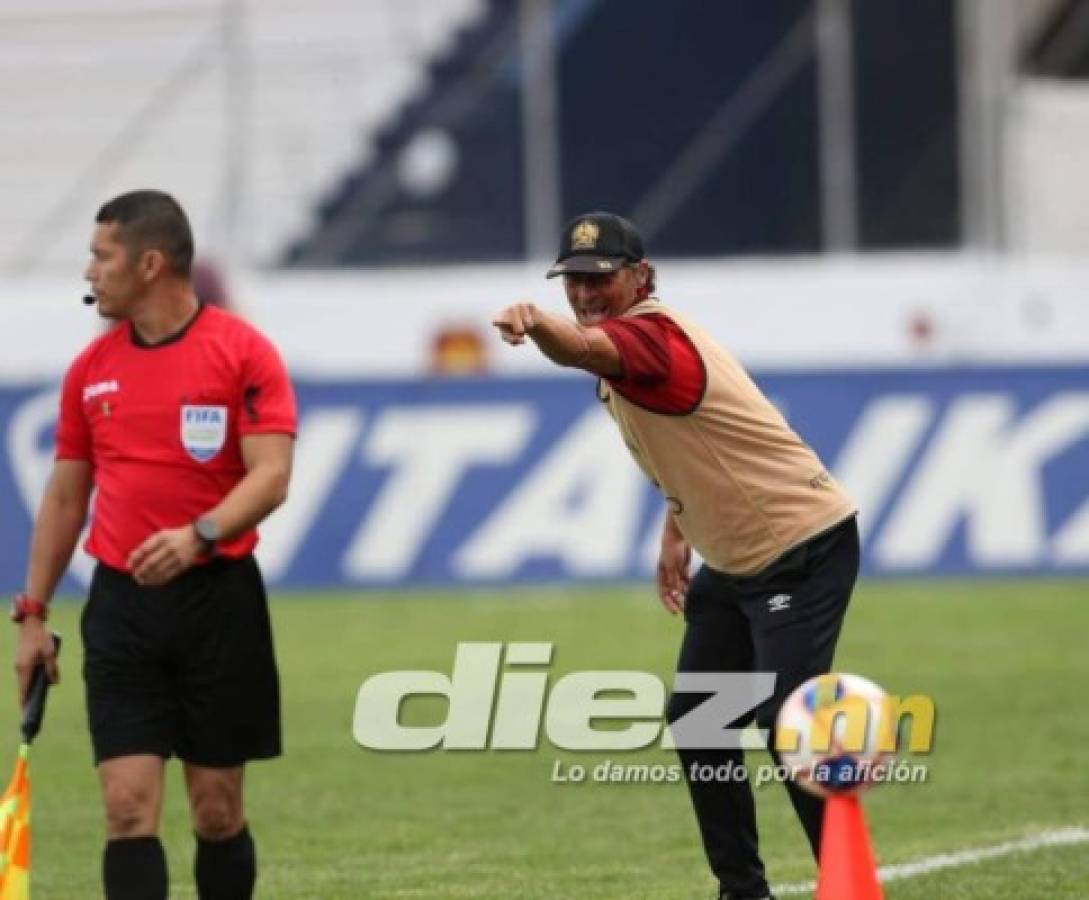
(89, 299)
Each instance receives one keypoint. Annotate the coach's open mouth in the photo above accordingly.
(591, 315)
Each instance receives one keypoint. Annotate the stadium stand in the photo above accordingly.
(758, 192)
(1058, 41)
(470, 101)
(260, 104)
(1048, 123)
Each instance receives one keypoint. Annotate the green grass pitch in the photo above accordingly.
(1005, 661)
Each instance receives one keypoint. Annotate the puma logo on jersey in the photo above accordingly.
(90, 391)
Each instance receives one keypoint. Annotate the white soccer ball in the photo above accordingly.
(835, 734)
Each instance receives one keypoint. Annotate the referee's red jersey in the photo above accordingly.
(161, 425)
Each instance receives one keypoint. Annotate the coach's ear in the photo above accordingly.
(643, 285)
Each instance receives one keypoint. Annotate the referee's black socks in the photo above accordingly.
(226, 870)
(134, 869)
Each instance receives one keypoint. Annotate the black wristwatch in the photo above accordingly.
(208, 531)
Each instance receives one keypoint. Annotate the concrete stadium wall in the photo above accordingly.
(805, 313)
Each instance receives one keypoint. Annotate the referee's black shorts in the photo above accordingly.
(184, 669)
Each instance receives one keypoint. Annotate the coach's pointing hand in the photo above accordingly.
(514, 321)
(165, 555)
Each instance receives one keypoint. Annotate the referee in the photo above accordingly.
(181, 420)
(776, 533)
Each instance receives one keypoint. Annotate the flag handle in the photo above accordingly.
(34, 707)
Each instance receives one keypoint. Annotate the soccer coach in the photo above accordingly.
(181, 418)
(776, 533)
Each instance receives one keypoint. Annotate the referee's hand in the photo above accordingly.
(35, 646)
(165, 555)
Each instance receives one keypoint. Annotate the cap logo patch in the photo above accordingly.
(584, 235)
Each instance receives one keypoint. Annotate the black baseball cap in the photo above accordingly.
(599, 243)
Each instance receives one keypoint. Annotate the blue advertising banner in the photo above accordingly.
(495, 480)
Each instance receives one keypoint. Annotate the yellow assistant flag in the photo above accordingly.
(15, 832)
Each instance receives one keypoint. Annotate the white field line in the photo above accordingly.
(1056, 838)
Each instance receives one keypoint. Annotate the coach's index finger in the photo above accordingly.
(509, 325)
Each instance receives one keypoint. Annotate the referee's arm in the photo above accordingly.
(267, 459)
(56, 529)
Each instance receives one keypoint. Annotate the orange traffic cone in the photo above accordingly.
(847, 867)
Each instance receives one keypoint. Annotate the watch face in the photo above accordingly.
(207, 530)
